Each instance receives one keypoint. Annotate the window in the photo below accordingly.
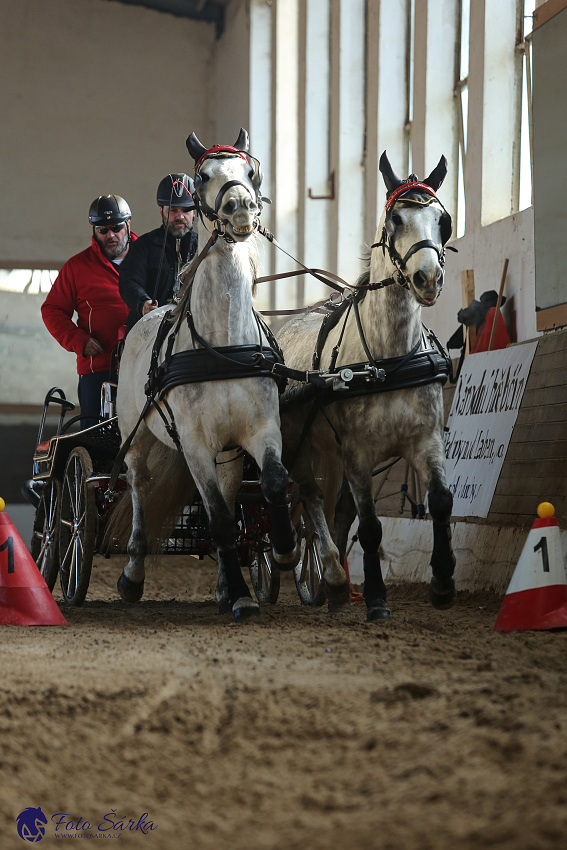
(27, 281)
(526, 123)
(462, 104)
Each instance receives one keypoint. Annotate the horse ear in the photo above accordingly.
(391, 179)
(194, 146)
(242, 142)
(256, 175)
(438, 174)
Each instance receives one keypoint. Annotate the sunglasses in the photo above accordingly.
(116, 228)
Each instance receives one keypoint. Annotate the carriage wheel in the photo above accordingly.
(308, 573)
(264, 574)
(77, 527)
(44, 548)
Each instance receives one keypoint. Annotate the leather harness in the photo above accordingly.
(209, 363)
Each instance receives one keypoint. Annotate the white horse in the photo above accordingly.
(214, 336)
(356, 433)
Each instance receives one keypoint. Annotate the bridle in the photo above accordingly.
(212, 214)
(407, 192)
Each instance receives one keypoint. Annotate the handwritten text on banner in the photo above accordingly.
(483, 414)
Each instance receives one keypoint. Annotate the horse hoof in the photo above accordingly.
(289, 560)
(338, 595)
(441, 592)
(245, 609)
(221, 597)
(377, 610)
(130, 591)
(224, 606)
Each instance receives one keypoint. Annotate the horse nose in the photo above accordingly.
(242, 203)
(423, 280)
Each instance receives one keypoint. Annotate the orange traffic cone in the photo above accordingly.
(25, 599)
(537, 594)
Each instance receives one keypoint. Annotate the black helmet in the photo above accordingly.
(176, 190)
(109, 209)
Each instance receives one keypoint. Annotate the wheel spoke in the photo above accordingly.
(77, 481)
(72, 567)
(314, 568)
(64, 558)
(52, 507)
(77, 562)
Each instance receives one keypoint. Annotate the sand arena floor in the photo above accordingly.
(309, 730)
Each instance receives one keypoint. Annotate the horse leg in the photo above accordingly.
(265, 448)
(131, 582)
(345, 515)
(370, 537)
(337, 587)
(229, 474)
(431, 468)
(223, 531)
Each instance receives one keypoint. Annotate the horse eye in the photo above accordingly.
(397, 219)
(204, 178)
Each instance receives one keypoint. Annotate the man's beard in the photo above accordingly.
(112, 252)
(178, 229)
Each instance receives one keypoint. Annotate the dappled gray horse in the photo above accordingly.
(209, 360)
(378, 325)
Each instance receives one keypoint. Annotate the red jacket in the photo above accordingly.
(87, 285)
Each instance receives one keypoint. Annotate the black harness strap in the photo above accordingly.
(200, 365)
(119, 460)
(361, 332)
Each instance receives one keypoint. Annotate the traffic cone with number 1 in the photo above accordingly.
(25, 599)
(537, 594)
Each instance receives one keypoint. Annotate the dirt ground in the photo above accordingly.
(309, 730)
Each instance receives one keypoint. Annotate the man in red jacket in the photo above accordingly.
(88, 286)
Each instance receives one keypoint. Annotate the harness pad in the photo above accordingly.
(199, 366)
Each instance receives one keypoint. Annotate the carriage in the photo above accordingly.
(69, 490)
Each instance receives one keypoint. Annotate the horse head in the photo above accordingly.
(414, 231)
(227, 185)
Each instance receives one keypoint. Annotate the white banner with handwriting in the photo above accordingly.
(483, 414)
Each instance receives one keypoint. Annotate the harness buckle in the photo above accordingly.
(374, 374)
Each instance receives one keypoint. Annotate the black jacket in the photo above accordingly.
(139, 270)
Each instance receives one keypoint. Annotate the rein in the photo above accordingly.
(337, 283)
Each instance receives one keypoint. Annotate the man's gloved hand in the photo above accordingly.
(148, 306)
(92, 347)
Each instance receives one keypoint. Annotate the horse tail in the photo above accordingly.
(171, 489)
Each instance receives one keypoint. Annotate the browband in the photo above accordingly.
(406, 187)
(218, 150)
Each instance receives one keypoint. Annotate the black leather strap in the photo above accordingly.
(221, 364)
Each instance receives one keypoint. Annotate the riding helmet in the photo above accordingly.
(176, 190)
(109, 209)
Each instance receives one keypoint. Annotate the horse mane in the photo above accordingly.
(255, 268)
(364, 276)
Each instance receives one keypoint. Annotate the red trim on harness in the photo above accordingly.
(218, 149)
(405, 187)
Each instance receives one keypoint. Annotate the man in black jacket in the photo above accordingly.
(149, 276)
